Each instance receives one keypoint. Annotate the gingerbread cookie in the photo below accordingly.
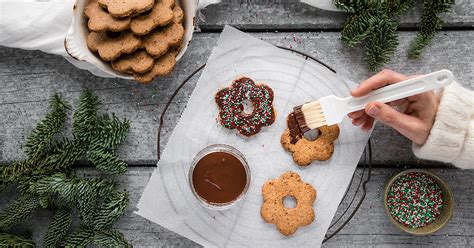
(100, 20)
(273, 210)
(137, 62)
(160, 41)
(162, 67)
(161, 15)
(122, 8)
(306, 151)
(231, 111)
(111, 45)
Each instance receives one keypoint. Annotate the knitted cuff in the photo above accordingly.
(449, 132)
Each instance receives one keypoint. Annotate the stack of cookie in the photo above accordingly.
(138, 37)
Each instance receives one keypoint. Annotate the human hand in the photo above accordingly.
(415, 115)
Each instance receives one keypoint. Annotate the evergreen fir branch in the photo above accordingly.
(381, 44)
(356, 6)
(107, 161)
(44, 132)
(111, 210)
(85, 116)
(357, 28)
(58, 228)
(65, 154)
(10, 240)
(370, 20)
(80, 238)
(429, 26)
(18, 211)
(396, 8)
(110, 238)
(111, 131)
(103, 187)
(58, 185)
(46, 180)
(87, 203)
(15, 171)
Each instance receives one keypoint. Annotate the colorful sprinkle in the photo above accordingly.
(415, 199)
(230, 101)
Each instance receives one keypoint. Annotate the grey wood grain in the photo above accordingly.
(29, 78)
(292, 14)
(369, 227)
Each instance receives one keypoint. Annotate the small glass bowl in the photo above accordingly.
(229, 150)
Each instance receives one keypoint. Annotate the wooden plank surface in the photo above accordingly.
(29, 78)
(292, 14)
(369, 227)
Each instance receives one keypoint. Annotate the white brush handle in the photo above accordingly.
(402, 90)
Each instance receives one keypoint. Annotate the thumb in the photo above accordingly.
(403, 123)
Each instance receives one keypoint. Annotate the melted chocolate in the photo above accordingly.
(295, 131)
(219, 177)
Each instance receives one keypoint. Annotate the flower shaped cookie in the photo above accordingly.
(230, 101)
(288, 220)
(306, 151)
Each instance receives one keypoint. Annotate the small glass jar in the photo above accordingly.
(223, 149)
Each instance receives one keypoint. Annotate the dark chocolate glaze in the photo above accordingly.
(231, 110)
(219, 177)
(295, 131)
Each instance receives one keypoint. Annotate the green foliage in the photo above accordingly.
(42, 136)
(430, 25)
(10, 240)
(18, 211)
(79, 238)
(374, 24)
(46, 178)
(58, 228)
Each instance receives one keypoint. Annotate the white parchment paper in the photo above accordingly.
(168, 199)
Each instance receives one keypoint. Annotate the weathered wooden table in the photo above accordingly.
(29, 78)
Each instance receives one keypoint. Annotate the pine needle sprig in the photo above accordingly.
(430, 24)
(43, 135)
(58, 228)
(374, 24)
(80, 238)
(111, 210)
(46, 179)
(18, 211)
(380, 45)
(107, 161)
(10, 240)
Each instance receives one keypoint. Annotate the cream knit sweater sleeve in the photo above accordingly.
(451, 138)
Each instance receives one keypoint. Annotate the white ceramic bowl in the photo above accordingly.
(322, 4)
(82, 57)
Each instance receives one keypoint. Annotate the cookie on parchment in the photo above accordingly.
(158, 42)
(137, 62)
(160, 15)
(273, 210)
(305, 151)
(111, 45)
(100, 20)
(124, 8)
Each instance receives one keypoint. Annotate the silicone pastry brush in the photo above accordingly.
(331, 110)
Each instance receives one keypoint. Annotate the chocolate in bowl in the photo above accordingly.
(219, 177)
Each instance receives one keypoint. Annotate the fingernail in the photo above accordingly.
(373, 111)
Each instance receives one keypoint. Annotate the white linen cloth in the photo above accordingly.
(168, 199)
(35, 24)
